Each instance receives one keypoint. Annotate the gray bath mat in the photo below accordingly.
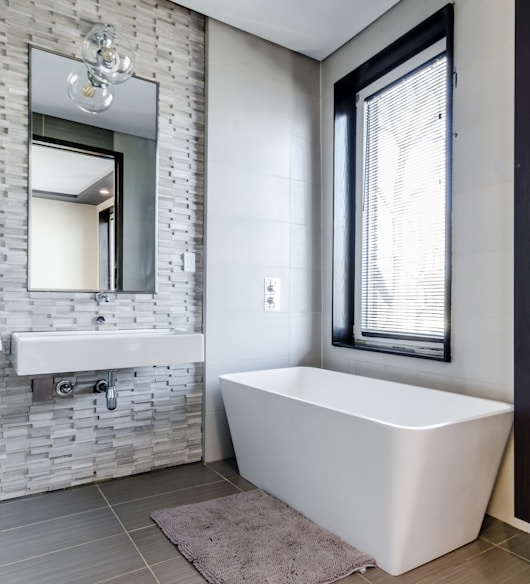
(253, 538)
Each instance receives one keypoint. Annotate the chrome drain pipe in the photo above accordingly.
(108, 387)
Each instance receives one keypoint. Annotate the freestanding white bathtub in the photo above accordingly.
(402, 473)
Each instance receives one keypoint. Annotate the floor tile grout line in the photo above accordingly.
(367, 578)
(178, 557)
(159, 494)
(515, 555)
(109, 580)
(53, 519)
(363, 576)
(227, 479)
(129, 536)
(167, 560)
(427, 579)
(32, 496)
(234, 485)
(108, 505)
(208, 466)
(477, 553)
(498, 543)
(71, 547)
(143, 528)
(98, 483)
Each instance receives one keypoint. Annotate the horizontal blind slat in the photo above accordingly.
(403, 243)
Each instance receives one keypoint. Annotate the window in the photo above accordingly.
(391, 280)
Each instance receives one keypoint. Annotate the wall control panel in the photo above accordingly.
(272, 294)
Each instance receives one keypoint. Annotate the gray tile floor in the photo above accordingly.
(103, 533)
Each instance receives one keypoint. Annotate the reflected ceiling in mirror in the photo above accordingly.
(75, 153)
(66, 174)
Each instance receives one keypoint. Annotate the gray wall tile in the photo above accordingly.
(61, 443)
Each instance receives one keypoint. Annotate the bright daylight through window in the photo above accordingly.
(392, 197)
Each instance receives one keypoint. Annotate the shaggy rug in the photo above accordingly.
(253, 538)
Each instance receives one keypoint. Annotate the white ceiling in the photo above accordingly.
(315, 28)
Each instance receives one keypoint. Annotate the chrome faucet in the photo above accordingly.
(102, 297)
(108, 386)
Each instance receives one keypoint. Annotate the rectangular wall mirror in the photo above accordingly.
(93, 184)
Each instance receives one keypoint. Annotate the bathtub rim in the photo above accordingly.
(503, 408)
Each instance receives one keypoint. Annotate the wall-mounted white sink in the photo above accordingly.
(34, 353)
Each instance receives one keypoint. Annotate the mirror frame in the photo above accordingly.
(119, 203)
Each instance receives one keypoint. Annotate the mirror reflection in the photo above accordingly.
(72, 209)
(92, 185)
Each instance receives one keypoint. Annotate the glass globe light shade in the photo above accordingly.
(107, 55)
(89, 94)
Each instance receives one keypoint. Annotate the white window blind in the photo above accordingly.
(403, 247)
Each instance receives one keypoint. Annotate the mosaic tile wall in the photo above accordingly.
(76, 440)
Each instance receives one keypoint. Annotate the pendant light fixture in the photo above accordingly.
(109, 59)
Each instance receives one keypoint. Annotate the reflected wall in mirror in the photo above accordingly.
(92, 185)
(75, 193)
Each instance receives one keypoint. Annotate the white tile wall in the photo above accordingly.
(263, 213)
(482, 288)
(251, 195)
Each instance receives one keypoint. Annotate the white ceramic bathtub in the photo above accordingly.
(403, 473)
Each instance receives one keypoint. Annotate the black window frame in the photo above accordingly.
(435, 28)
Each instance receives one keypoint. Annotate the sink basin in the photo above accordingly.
(34, 353)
